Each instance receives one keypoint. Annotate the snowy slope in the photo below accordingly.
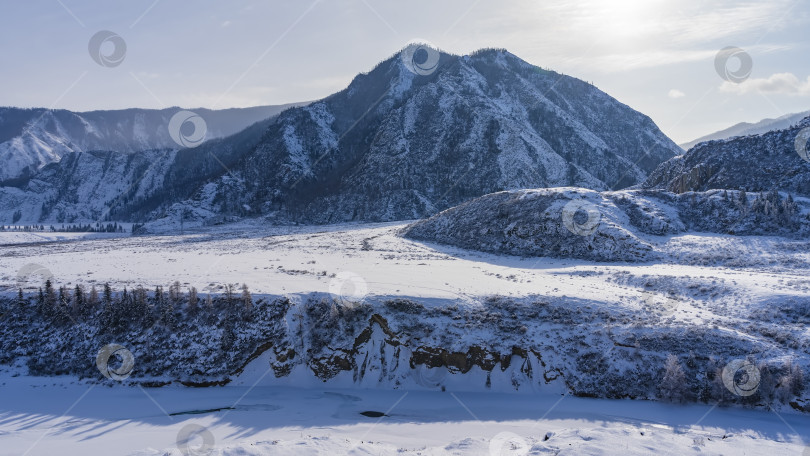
(33, 138)
(86, 186)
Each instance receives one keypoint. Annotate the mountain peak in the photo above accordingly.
(421, 132)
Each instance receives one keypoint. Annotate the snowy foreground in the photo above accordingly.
(719, 280)
(58, 416)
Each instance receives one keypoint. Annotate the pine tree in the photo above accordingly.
(126, 308)
(247, 300)
(174, 291)
(141, 303)
(108, 314)
(77, 304)
(41, 303)
(167, 316)
(62, 310)
(742, 198)
(20, 302)
(229, 294)
(673, 386)
(107, 294)
(92, 300)
(50, 297)
(192, 301)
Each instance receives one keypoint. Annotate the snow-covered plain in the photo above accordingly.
(63, 415)
(298, 260)
(46, 416)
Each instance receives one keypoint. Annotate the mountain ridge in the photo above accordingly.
(400, 142)
(31, 138)
(750, 128)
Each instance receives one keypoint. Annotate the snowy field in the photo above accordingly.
(287, 261)
(59, 416)
(714, 275)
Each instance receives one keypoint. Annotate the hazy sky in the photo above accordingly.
(656, 56)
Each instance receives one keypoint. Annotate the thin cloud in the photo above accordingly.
(675, 93)
(622, 36)
(779, 83)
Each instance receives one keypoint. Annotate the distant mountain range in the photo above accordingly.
(396, 144)
(33, 138)
(745, 128)
(752, 163)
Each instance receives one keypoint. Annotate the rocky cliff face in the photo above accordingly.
(498, 344)
(751, 163)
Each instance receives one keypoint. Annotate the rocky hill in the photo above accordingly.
(609, 226)
(751, 163)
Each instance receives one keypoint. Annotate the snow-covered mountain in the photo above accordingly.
(399, 145)
(747, 128)
(33, 138)
(752, 163)
(99, 185)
